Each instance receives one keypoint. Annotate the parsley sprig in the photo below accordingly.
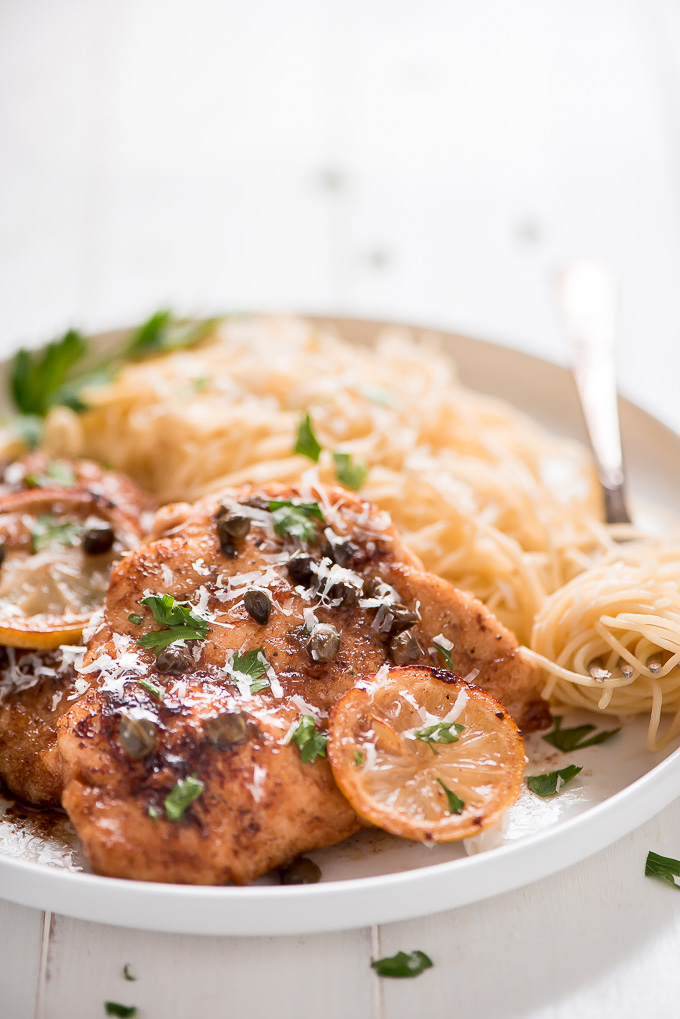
(296, 519)
(403, 964)
(456, 805)
(664, 867)
(48, 531)
(253, 665)
(178, 618)
(553, 781)
(181, 795)
(439, 733)
(350, 472)
(576, 738)
(310, 742)
(38, 378)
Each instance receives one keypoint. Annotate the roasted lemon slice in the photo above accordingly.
(57, 548)
(424, 755)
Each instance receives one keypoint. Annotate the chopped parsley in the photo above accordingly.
(456, 805)
(28, 428)
(358, 757)
(403, 964)
(307, 443)
(153, 813)
(311, 744)
(439, 733)
(296, 519)
(126, 972)
(135, 618)
(114, 1008)
(446, 655)
(184, 792)
(252, 665)
(553, 781)
(578, 737)
(664, 867)
(178, 618)
(155, 691)
(47, 531)
(351, 473)
(38, 377)
(57, 474)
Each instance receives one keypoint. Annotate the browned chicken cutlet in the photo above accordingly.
(53, 574)
(206, 763)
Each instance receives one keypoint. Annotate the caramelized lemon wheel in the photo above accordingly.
(424, 755)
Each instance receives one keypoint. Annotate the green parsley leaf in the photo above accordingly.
(311, 744)
(446, 655)
(163, 332)
(456, 805)
(252, 664)
(575, 738)
(114, 1008)
(439, 733)
(307, 443)
(47, 531)
(258, 685)
(135, 618)
(37, 376)
(28, 428)
(664, 867)
(57, 474)
(403, 964)
(155, 691)
(296, 519)
(185, 792)
(153, 813)
(350, 473)
(126, 972)
(180, 620)
(552, 781)
(358, 757)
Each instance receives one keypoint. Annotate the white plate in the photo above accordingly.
(372, 877)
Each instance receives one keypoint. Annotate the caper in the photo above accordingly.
(405, 649)
(98, 538)
(340, 550)
(226, 730)
(236, 525)
(225, 536)
(137, 736)
(258, 605)
(300, 871)
(323, 642)
(402, 618)
(299, 568)
(176, 659)
(347, 592)
(377, 588)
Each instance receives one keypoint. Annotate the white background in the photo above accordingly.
(433, 161)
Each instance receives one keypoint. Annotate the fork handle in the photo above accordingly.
(586, 294)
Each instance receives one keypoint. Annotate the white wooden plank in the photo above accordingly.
(224, 978)
(20, 960)
(597, 939)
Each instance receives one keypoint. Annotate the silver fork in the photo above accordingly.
(586, 297)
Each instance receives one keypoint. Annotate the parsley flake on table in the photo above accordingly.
(553, 781)
(310, 742)
(403, 964)
(349, 472)
(178, 618)
(576, 738)
(183, 793)
(47, 531)
(127, 972)
(446, 655)
(664, 867)
(295, 519)
(439, 733)
(115, 1008)
(456, 805)
(307, 443)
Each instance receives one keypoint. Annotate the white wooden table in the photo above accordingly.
(432, 161)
